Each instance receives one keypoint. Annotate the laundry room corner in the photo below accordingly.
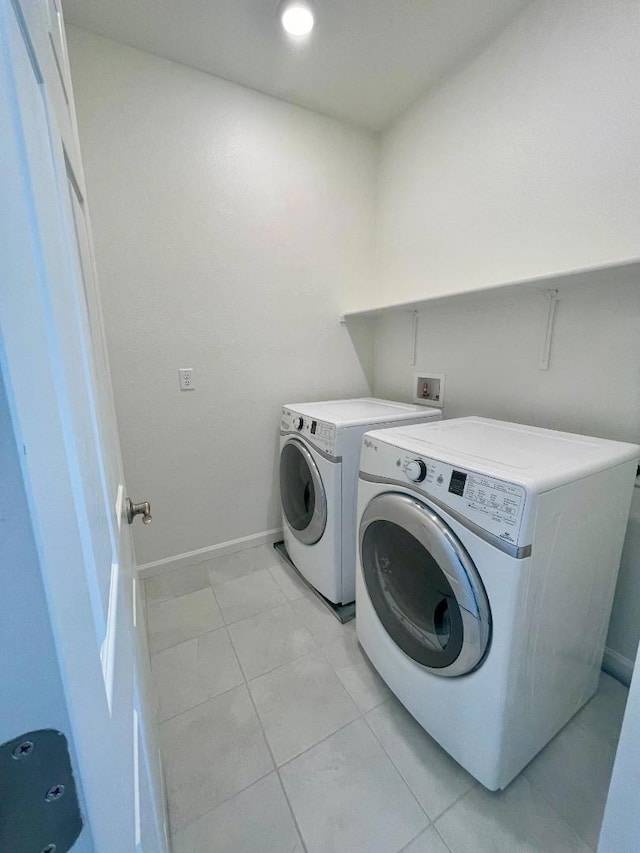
(227, 224)
(361, 331)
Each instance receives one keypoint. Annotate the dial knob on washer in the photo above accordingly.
(298, 423)
(416, 471)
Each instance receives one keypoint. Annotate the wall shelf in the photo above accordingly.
(625, 271)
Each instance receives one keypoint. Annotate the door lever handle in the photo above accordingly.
(143, 508)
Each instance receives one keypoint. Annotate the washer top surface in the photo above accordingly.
(363, 410)
(540, 458)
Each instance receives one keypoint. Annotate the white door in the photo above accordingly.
(54, 364)
(620, 832)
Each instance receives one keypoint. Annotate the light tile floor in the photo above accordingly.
(278, 735)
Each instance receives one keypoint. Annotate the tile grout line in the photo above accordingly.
(406, 846)
(258, 719)
(208, 582)
(439, 834)
(281, 665)
(454, 803)
(197, 705)
(520, 775)
(291, 811)
(322, 740)
(432, 821)
(319, 649)
(360, 714)
(264, 736)
(188, 640)
(335, 670)
(209, 698)
(244, 684)
(246, 680)
(278, 666)
(304, 594)
(253, 615)
(542, 793)
(159, 601)
(398, 771)
(276, 768)
(221, 803)
(302, 752)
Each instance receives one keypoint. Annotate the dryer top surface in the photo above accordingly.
(533, 455)
(362, 411)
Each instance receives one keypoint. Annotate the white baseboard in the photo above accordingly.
(192, 558)
(618, 666)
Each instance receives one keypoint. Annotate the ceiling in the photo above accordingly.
(365, 62)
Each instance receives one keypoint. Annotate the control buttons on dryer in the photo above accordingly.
(416, 470)
(298, 423)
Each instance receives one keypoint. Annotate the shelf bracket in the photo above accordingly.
(415, 318)
(545, 347)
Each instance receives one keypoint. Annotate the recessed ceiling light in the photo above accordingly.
(296, 17)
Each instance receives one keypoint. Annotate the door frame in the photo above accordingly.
(36, 380)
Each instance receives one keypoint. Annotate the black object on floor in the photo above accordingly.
(342, 612)
(39, 808)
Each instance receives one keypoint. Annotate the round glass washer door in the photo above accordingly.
(302, 493)
(423, 585)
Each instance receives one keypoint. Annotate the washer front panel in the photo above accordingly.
(303, 498)
(423, 585)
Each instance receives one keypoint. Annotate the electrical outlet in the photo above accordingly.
(428, 389)
(185, 375)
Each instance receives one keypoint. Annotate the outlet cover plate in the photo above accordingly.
(185, 375)
(428, 388)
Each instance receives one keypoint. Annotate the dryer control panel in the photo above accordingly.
(495, 505)
(320, 434)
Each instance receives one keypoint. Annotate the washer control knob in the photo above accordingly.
(298, 423)
(416, 470)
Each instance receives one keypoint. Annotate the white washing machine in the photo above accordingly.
(319, 452)
(487, 560)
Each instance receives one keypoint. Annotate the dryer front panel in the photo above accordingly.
(304, 502)
(423, 585)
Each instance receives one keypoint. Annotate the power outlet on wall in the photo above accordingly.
(428, 388)
(185, 375)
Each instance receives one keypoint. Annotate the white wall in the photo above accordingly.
(226, 225)
(488, 348)
(523, 163)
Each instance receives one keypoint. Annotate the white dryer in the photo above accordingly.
(319, 452)
(487, 561)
